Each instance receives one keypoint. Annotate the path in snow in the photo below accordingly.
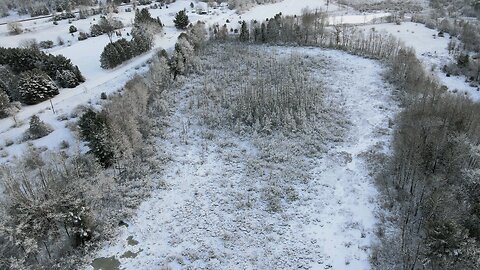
(204, 219)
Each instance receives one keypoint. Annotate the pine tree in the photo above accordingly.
(143, 16)
(95, 130)
(36, 86)
(96, 30)
(124, 48)
(181, 20)
(110, 57)
(66, 78)
(142, 40)
(272, 32)
(244, 32)
(37, 129)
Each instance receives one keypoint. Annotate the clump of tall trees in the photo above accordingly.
(143, 32)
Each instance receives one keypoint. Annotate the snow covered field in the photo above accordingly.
(210, 216)
(432, 51)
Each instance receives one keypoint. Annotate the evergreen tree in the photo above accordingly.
(183, 56)
(272, 33)
(124, 48)
(37, 129)
(95, 30)
(19, 60)
(244, 32)
(110, 57)
(94, 129)
(181, 20)
(142, 40)
(36, 86)
(8, 82)
(143, 16)
(263, 33)
(66, 78)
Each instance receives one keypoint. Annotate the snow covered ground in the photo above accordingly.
(209, 216)
(432, 51)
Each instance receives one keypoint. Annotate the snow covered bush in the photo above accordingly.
(46, 44)
(37, 129)
(82, 36)
(35, 86)
(14, 28)
(95, 30)
(72, 29)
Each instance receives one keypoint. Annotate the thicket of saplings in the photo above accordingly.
(276, 102)
(429, 182)
(385, 5)
(263, 92)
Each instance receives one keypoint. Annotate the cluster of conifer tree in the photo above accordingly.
(31, 76)
(145, 27)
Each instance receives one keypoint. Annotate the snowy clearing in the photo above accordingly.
(432, 50)
(209, 216)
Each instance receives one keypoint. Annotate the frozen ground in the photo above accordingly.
(432, 51)
(210, 215)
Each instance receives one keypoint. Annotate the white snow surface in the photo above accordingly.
(200, 220)
(432, 51)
